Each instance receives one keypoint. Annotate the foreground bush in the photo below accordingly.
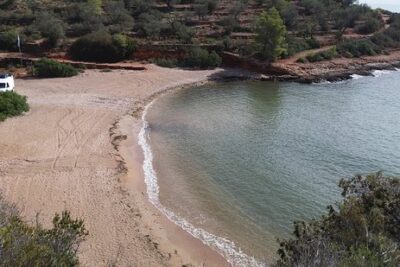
(47, 68)
(25, 245)
(102, 47)
(199, 58)
(364, 230)
(12, 104)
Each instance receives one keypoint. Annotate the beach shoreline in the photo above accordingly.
(171, 236)
(77, 149)
(81, 154)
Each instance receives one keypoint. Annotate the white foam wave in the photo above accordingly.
(356, 76)
(323, 82)
(379, 73)
(222, 245)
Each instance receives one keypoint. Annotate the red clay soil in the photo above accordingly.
(15, 57)
(339, 67)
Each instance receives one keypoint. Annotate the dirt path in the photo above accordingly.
(61, 155)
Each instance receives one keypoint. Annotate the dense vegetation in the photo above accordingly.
(12, 104)
(195, 58)
(374, 45)
(102, 47)
(22, 244)
(364, 230)
(47, 68)
(112, 30)
(201, 58)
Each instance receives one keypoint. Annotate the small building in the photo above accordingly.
(6, 82)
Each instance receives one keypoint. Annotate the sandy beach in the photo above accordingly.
(77, 150)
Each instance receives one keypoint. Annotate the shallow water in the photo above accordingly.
(243, 160)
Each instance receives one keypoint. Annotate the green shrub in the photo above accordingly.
(102, 47)
(166, 62)
(201, 59)
(296, 45)
(12, 104)
(150, 24)
(301, 60)
(8, 40)
(323, 55)
(315, 57)
(370, 26)
(358, 48)
(6, 4)
(383, 40)
(313, 43)
(26, 245)
(393, 33)
(229, 23)
(182, 32)
(50, 27)
(48, 68)
(362, 230)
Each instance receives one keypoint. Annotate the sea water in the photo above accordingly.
(234, 164)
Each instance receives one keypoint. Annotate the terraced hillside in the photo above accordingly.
(170, 28)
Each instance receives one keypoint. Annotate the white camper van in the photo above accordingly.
(6, 82)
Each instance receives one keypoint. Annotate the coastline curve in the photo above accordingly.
(226, 248)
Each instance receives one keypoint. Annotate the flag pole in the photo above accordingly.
(19, 48)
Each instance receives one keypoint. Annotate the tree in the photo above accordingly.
(8, 40)
(204, 7)
(117, 17)
(182, 32)
(364, 230)
(150, 24)
(289, 14)
(96, 6)
(50, 27)
(102, 47)
(237, 8)
(171, 2)
(270, 35)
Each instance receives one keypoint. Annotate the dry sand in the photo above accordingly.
(77, 150)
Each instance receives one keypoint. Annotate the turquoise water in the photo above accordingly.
(243, 160)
